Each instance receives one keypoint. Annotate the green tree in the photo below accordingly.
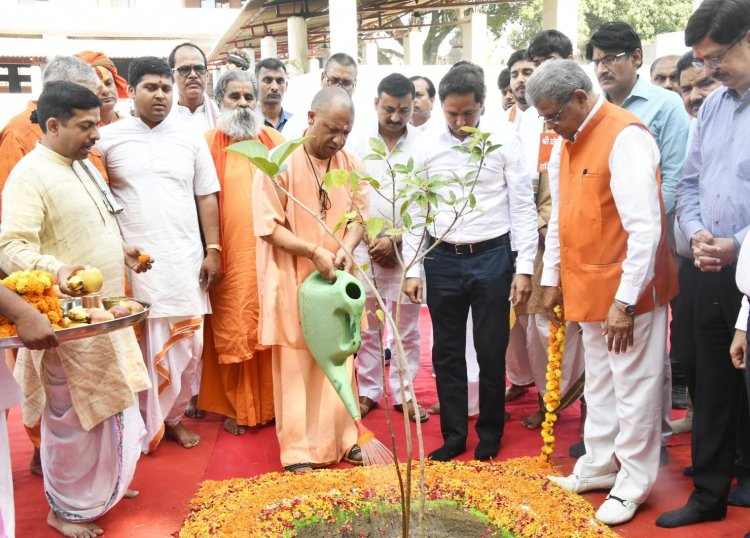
(648, 18)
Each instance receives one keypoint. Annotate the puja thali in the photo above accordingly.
(84, 331)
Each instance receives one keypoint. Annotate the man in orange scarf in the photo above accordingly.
(237, 375)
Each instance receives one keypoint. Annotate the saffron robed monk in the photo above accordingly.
(606, 243)
(312, 424)
(236, 380)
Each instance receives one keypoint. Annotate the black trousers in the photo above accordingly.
(717, 388)
(456, 282)
(680, 330)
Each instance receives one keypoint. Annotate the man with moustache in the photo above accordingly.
(713, 210)
(393, 105)
(606, 241)
(56, 218)
(521, 68)
(694, 84)
(271, 76)
(163, 175)
(616, 54)
(473, 266)
(424, 100)
(190, 67)
(664, 73)
(312, 424)
(236, 379)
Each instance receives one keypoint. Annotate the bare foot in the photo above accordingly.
(434, 409)
(192, 410)
(182, 435)
(130, 493)
(73, 530)
(232, 427)
(532, 422)
(36, 463)
(514, 391)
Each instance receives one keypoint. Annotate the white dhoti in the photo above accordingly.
(85, 472)
(524, 348)
(627, 386)
(369, 364)
(10, 395)
(171, 347)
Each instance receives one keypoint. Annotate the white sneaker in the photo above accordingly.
(615, 511)
(578, 484)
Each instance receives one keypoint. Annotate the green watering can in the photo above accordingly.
(331, 324)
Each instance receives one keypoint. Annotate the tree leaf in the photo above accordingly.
(378, 146)
(282, 151)
(381, 315)
(375, 225)
(250, 149)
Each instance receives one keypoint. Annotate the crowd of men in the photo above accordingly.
(620, 203)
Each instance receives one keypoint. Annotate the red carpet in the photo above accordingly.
(168, 479)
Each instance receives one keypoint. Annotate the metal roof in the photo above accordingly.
(36, 50)
(260, 18)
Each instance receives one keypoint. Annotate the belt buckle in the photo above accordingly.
(466, 248)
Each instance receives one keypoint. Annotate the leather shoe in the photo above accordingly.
(486, 450)
(578, 484)
(446, 452)
(687, 515)
(679, 397)
(414, 415)
(740, 495)
(365, 405)
(616, 511)
(663, 456)
(577, 450)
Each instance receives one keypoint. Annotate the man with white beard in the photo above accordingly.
(236, 379)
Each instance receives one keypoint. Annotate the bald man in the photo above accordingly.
(313, 427)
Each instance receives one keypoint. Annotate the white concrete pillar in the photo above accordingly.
(474, 34)
(268, 48)
(250, 54)
(296, 28)
(35, 72)
(343, 26)
(416, 41)
(371, 53)
(562, 15)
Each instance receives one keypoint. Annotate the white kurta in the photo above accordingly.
(10, 395)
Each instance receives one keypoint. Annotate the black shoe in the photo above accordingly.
(679, 397)
(387, 356)
(740, 495)
(663, 456)
(486, 450)
(446, 452)
(687, 515)
(688, 471)
(577, 450)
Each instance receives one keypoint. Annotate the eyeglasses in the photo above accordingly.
(715, 61)
(608, 59)
(345, 84)
(554, 119)
(184, 70)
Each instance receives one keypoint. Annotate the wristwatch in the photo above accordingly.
(627, 309)
(214, 246)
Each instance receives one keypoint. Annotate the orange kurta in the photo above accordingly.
(19, 137)
(236, 379)
(312, 423)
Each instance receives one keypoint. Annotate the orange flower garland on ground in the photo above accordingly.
(554, 377)
(515, 495)
(38, 289)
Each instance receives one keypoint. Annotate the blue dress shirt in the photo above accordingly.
(283, 118)
(714, 192)
(664, 114)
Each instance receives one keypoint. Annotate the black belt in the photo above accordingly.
(474, 248)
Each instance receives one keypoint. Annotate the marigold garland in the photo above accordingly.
(554, 376)
(36, 288)
(514, 494)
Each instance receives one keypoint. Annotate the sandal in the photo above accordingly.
(299, 468)
(365, 405)
(354, 456)
(414, 415)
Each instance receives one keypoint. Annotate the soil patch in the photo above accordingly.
(442, 520)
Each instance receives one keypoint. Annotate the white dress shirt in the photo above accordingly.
(633, 162)
(743, 283)
(388, 278)
(503, 192)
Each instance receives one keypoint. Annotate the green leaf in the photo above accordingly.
(375, 225)
(250, 149)
(281, 152)
(336, 179)
(472, 200)
(266, 166)
(365, 267)
(374, 157)
(406, 218)
(374, 183)
(378, 146)
(380, 314)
